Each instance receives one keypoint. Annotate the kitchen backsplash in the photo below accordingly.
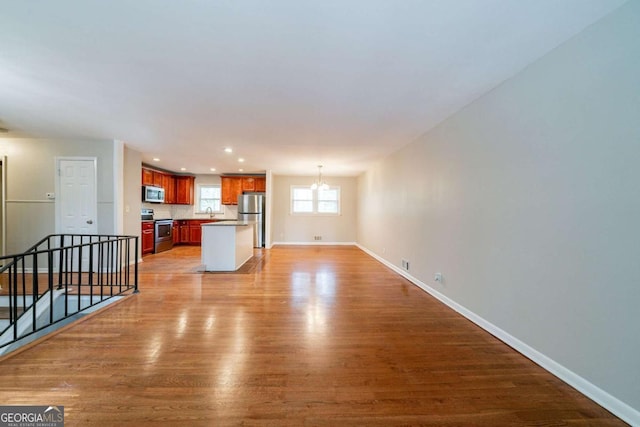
(161, 211)
(181, 212)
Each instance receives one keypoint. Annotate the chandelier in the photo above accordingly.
(319, 183)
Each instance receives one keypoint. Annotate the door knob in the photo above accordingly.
(89, 222)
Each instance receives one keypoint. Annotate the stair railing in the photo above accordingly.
(63, 275)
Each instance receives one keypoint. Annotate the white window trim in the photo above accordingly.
(197, 201)
(314, 202)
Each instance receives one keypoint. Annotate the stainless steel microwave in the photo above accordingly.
(151, 194)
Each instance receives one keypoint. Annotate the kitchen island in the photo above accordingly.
(226, 245)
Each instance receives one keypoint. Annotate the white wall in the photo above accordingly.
(132, 197)
(31, 174)
(528, 202)
(287, 228)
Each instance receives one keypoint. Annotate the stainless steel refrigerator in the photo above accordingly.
(251, 209)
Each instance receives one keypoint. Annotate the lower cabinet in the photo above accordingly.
(176, 232)
(147, 238)
(189, 231)
(195, 233)
(184, 232)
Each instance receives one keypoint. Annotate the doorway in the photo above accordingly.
(76, 198)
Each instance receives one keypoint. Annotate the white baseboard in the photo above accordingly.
(604, 399)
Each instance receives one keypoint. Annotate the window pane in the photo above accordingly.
(327, 207)
(209, 197)
(331, 194)
(213, 204)
(302, 194)
(304, 200)
(209, 192)
(302, 206)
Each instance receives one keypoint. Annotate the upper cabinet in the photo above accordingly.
(248, 184)
(184, 190)
(152, 177)
(178, 189)
(233, 186)
(147, 176)
(158, 178)
(169, 185)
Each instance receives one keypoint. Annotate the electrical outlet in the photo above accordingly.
(405, 264)
(317, 237)
(438, 277)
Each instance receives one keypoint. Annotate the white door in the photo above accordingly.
(76, 201)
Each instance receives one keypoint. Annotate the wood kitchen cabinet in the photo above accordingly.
(254, 183)
(147, 176)
(152, 177)
(231, 188)
(169, 185)
(183, 229)
(158, 178)
(147, 237)
(248, 184)
(195, 232)
(184, 189)
(176, 232)
(178, 189)
(189, 231)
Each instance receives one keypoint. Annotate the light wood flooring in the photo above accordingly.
(303, 336)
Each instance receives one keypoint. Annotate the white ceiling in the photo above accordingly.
(289, 84)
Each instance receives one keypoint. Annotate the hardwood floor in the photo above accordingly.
(319, 336)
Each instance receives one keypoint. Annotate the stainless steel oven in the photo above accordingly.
(163, 235)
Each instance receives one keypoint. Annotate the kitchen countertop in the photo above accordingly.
(205, 219)
(227, 223)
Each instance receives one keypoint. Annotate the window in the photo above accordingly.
(305, 201)
(208, 197)
(329, 200)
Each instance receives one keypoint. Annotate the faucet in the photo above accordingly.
(210, 212)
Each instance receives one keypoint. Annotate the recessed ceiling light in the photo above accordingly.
(183, 169)
(240, 170)
(155, 159)
(212, 169)
(241, 160)
(228, 150)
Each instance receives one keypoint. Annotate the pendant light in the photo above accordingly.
(319, 183)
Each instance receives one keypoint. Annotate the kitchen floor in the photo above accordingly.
(187, 260)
